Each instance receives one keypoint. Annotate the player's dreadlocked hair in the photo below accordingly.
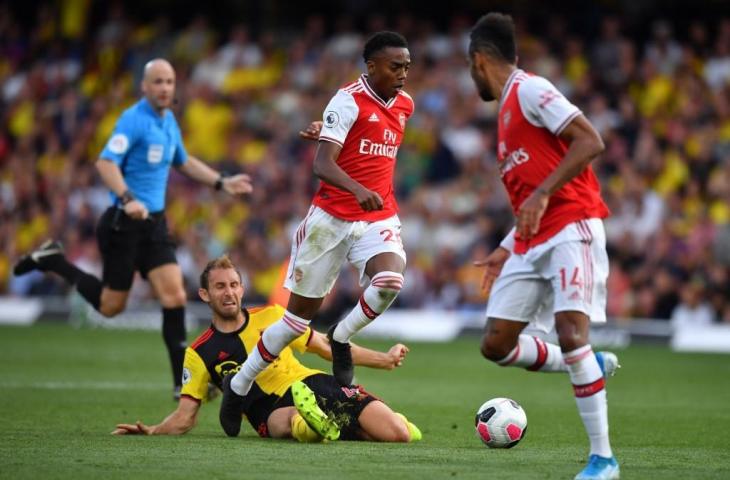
(221, 262)
(382, 40)
(494, 34)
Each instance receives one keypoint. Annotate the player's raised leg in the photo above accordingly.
(300, 310)
(531, 352)
(49, 257)
(319, 249)
(590, 392)
(386, 273)
(299, 313)
(516, 298)
(504, 344)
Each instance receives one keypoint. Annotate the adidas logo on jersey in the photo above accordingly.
(373, 118)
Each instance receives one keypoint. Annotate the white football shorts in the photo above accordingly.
(322, 243)
(566, 273)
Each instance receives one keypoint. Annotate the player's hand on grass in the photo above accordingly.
(238, 184)
(396, 355)
(138, 428)
(312, 131)
(531, 212)
(492, 267)
(136, 210)
(368, 199)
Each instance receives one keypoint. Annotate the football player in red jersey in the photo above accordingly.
(353, 218)
(552, 267)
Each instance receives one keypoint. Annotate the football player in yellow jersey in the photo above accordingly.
(288, 399)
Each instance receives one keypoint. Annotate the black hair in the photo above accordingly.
(381, 41)
(494, 34)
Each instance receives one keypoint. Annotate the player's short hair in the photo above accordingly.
(221, 262)
(382, 40)
(494, 34)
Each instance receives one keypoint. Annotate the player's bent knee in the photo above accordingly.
(112, 302)
(572, 341)
(572, 330)
(387, 295)
(397, 432)
(111, 309)
(386, 286)
(402, 435)
(381, 424)
(494, 350)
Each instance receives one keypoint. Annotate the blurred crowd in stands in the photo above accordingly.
(661, 103)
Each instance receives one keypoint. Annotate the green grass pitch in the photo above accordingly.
(63, 390)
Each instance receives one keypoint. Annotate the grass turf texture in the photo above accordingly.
(63, 391)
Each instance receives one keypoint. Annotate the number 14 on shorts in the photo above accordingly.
(575, 278)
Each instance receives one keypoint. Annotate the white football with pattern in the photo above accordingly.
(500, 423)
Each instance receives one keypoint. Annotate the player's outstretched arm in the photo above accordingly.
(492, 267)
(312, 131)
(360, 355)
(182, 420)
(198, 170)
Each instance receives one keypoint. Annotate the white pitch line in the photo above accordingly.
(84, 385)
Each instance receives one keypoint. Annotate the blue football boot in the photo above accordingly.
(599, 468)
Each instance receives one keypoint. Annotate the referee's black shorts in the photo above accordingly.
(127, 245)
(344, 403)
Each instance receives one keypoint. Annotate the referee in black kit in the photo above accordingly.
(132, 234)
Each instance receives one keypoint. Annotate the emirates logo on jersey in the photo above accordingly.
(368, 147)
(514, 159)
(386, 149)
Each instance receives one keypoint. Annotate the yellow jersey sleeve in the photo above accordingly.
(195, 376)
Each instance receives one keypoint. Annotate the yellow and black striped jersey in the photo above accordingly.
(215, 354)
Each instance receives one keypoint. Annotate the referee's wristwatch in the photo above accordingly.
(127, 197)
(219, 183)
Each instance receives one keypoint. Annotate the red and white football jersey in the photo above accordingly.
(532, 114)
(370, 131)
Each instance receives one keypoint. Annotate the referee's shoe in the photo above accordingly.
(37, 259)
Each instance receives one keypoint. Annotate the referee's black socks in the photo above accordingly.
(173, 331)
(88, 285)
(90, 288)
